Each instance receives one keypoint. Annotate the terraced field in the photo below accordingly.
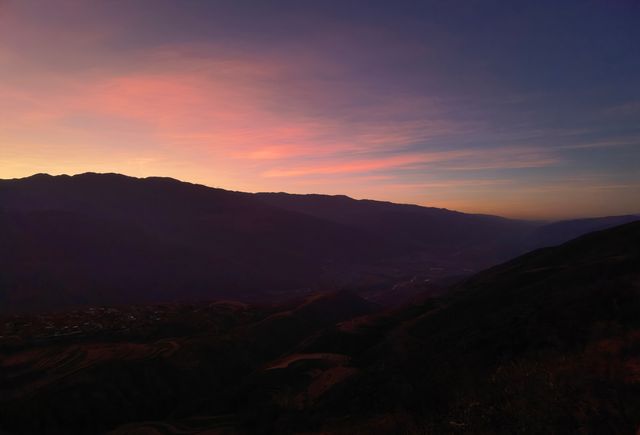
(167, 362)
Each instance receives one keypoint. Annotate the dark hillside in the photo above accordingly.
(546, 343)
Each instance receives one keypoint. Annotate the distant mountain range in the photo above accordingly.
(107, 239)
(548, 342)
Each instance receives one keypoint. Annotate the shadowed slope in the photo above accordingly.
(546, 343)
(425, 229)
(109, 238)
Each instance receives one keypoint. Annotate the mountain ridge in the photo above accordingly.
(109, 238)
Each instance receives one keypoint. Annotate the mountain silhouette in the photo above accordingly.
(110, 239)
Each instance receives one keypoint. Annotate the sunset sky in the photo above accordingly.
(524, 109)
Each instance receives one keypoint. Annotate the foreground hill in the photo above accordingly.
(546, 343)
(108, 239)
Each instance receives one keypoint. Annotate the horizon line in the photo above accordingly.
(529, 219)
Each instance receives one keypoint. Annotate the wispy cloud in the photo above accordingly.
(607, 143)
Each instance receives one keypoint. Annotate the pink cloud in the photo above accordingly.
(464, 159)
(241, 121)
(356, 166)
(244, 107)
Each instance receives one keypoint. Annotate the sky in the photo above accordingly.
(518, 108)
